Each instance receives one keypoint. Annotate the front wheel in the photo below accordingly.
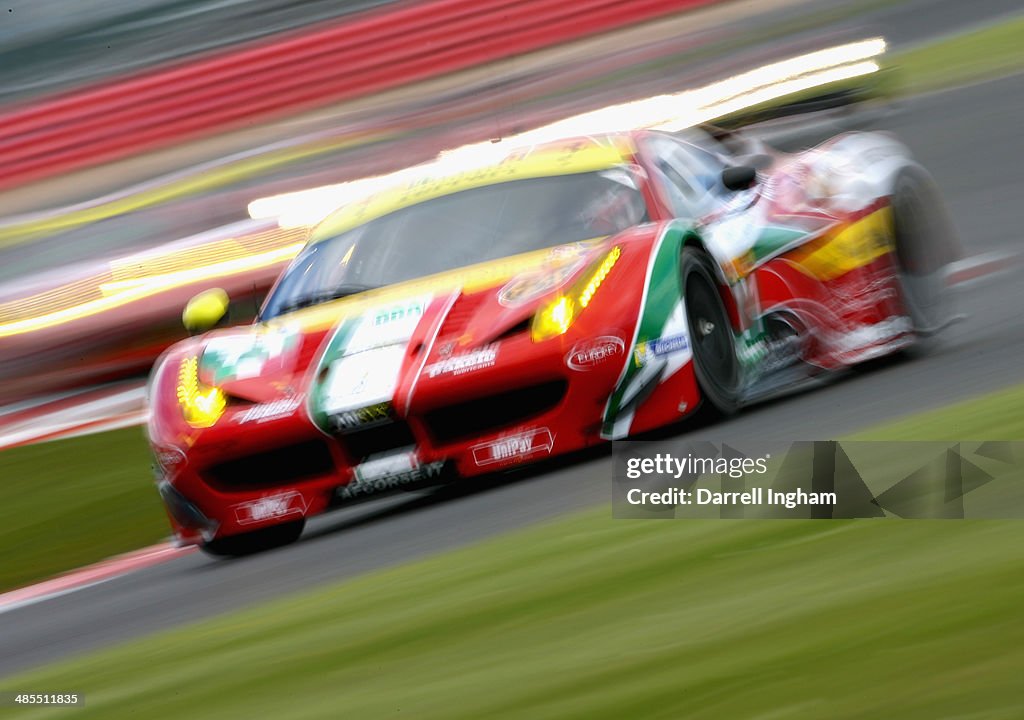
(711, 336)
(255, 541)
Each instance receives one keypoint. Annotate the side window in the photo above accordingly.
(682, 195)
(690, 176)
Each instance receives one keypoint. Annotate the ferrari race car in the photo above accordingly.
(569, 294)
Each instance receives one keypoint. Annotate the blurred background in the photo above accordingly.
(135, 141)
(149, 150)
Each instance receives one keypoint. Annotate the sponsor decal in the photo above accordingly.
(588, 354)
(238, 357)
(467, 362)
(361, 380)
(446, 349)
(362, 417)
(660, 347)
(359, 366)
(269, 411)
(270, 508)
(168, 457)
(379, 475)
(407, 311)
(387, 465)
(662, 314)
(514, 447)
(389, 324)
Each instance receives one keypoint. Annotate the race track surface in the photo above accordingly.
(965, 136)
(961, 135)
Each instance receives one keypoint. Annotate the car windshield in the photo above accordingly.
(460, 229)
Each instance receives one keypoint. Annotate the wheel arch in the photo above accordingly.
(692, 239)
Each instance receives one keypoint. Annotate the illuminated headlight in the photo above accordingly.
(202, 406)
(557, 316)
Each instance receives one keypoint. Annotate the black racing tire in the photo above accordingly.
(926, 243)
(256, 541)
(711, 336)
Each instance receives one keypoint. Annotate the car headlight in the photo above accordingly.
(202, 406)
(557, 316)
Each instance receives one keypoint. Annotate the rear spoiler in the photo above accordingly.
(857, 93)
(839, 80)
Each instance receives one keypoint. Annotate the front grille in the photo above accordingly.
(361, 444)
(292, 463)
(491, 413)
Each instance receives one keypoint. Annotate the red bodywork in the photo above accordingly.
(266, 461)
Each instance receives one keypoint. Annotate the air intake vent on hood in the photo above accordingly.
(462, 312)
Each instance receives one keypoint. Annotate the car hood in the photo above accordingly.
(356, 352)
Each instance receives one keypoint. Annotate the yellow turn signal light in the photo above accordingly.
(202, 406)
(557, 316)
(555, 319)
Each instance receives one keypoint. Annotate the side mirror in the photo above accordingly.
(740, 177)
(205, 310)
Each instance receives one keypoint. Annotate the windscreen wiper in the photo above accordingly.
(326, 296)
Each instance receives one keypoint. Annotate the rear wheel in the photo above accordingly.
(255, 541)
(711, 335)
(926, 243)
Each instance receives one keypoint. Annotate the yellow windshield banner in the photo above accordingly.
(569, 158)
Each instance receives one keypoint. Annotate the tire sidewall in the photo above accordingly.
(720, 393)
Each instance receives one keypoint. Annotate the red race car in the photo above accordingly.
(574, 292)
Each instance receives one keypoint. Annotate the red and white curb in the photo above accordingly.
(59, 431)
(91, 575)
(80, 413)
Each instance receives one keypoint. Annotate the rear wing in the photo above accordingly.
(848, 95)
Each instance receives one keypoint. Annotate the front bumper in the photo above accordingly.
(238, 477)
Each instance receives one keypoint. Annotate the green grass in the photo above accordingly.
(71, 502)
(68, 503)
(593, 618)
(996, 416)
(986, 53)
